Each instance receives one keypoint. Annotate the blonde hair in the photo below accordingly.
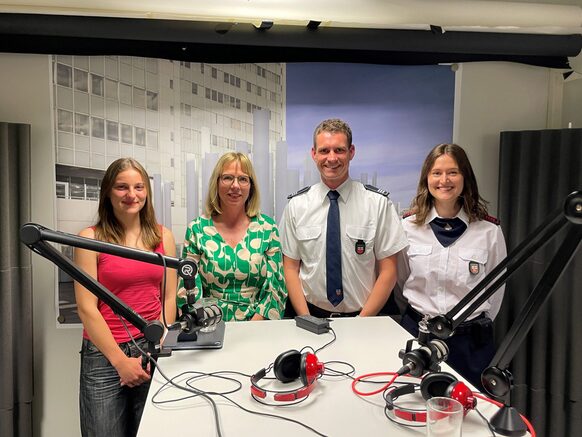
(108, 227)
(253, 203)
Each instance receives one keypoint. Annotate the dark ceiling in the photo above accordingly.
(216, 42)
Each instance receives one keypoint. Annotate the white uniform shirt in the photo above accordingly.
(364, 215)
(435, 278)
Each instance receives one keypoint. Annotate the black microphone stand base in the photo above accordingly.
(507, 421)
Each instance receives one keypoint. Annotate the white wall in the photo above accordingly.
(25, 98)
(491, 97)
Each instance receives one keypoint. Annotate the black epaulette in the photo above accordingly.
(408, 213)
(492, 219)
(376, 190)
(297, 193)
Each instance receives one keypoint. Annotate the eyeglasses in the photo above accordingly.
(228, 179)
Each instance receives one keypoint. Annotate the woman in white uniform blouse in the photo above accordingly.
(454, 243)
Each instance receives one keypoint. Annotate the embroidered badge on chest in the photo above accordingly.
(360, 247)
(474, 267)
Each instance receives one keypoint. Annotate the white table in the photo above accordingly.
(370, 344)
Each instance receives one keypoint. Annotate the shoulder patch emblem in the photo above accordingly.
(407, 214)
(297, 193)
(492, 219)
(376, 190)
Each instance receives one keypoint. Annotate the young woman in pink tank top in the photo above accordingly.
(113, 384)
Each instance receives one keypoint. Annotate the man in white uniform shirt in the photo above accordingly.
(340, 238)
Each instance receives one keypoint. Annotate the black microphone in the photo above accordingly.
(196, 316)
(427, 357)
(212, 315)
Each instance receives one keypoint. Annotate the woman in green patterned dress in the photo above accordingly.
(237, 248)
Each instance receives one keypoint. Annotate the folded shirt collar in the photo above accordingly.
(433, 213)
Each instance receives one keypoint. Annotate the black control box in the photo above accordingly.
(312, 324)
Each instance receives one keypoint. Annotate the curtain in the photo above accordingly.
(538, 169)
(16, 366)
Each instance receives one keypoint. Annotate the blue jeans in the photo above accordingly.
(106, 408)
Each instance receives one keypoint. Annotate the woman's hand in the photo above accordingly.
(131, 373)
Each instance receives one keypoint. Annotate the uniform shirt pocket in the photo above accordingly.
(419, 258)
(471, 265)
(361, 239)
(309, 242)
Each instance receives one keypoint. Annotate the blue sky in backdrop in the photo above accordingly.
(397, 114)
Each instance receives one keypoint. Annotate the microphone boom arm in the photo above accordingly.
(36, 237)
(496, 379)
(443, 325)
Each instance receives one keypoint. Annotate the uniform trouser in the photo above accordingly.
(106, 408)
(471, 348)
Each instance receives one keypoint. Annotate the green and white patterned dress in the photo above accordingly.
(247, 279)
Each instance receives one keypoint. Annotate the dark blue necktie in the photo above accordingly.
(333, 252)
(447, 230)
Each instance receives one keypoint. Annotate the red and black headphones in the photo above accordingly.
(432, 385)
(290, 366)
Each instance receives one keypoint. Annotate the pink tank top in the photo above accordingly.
(136, 283)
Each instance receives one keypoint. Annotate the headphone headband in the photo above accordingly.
(283, 395)
(407, 414)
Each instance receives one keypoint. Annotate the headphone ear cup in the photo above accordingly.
(460, 392)
(436, 384)
(309, 368)
(287, 366)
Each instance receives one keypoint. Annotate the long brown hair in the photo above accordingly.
(471, 202)
(108, 227)
(253, 203)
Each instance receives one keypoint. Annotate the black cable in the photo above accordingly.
(487, 422)
(188, 389)
(217, 374)
(275, 416)
(337, 373)
(315, 351)
(197, 392)
(327, 344)
(368, 381)
(197, 375)
(201, 375)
